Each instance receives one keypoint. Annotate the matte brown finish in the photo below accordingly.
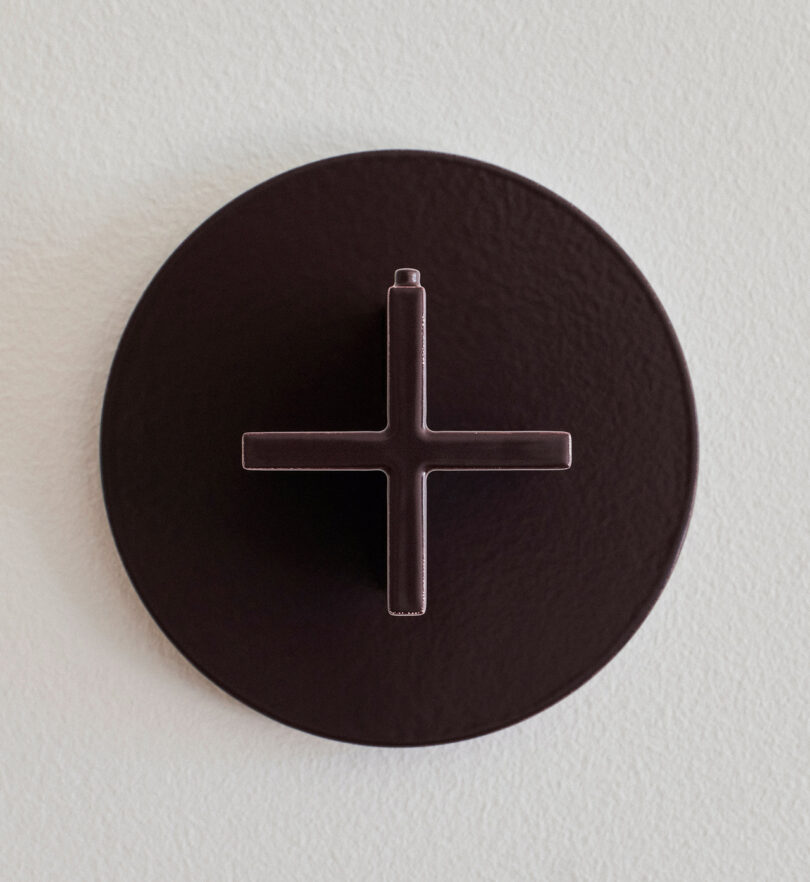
(272, 316)
(406, 450)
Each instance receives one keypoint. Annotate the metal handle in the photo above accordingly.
(406, 450)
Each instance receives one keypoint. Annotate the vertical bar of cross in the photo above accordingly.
(406, 419)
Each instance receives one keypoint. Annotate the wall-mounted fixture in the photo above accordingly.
(285, 437)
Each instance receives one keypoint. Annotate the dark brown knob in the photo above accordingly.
(271, 316)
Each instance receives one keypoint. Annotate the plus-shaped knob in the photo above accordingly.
(406, 450)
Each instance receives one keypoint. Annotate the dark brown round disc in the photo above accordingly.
(271, 317)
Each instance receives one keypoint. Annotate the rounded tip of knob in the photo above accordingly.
(406, 276)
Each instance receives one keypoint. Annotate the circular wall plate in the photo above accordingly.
(271, 316)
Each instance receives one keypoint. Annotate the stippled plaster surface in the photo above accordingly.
(682, 128)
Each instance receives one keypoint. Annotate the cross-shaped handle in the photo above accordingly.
(406, 450)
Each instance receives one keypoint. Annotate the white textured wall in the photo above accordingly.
(682, 128)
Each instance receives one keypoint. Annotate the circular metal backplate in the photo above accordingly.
(271, 317)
